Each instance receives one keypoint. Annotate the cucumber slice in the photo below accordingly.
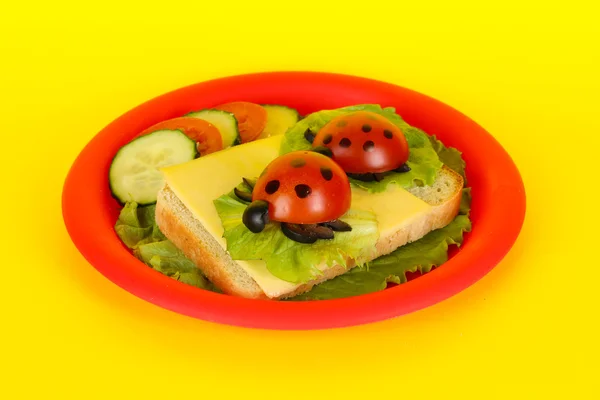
(279, 120)
(134, 172)
(225, 123)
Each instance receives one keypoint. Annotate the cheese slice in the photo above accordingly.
(197, 183)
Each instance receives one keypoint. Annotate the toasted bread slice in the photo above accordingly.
(187, 233)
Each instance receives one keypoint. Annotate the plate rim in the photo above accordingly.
(265, 314)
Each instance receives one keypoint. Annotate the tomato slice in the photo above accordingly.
(207, 136)
(304, 187)
(251, 118)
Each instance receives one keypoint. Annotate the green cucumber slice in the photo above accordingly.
(279, 120)
(225, 123)
(134, 172)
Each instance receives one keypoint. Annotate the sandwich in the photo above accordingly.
(337, 203)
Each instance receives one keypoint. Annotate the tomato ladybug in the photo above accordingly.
(364, 143)
(303, 190)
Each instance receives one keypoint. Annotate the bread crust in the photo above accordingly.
(187, 233)
(217, 265)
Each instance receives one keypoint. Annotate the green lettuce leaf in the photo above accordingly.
(135, 224)
(289, 260)
(449, 156)
(167, 259)
(423, 160)
(137, 229)
(422, 255)
(465, 202)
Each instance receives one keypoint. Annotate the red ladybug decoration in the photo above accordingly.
(364, 142)
(306, 191)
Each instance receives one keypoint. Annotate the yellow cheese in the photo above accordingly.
(197, 183)
(394, 208)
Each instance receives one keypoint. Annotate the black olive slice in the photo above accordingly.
(378, 176)
(256, 216)
(322, 232)
(245, 196)
(249, 183)
(306, 233)
(403, 168)
(296, 233)
(309, 135)
(337, 225)
(326, 151)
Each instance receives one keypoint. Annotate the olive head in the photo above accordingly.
(256, 216)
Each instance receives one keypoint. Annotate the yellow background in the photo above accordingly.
(527, 72)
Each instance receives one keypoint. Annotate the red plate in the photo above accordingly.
(498, 206)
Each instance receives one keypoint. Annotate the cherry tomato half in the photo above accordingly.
(363, 142)
(207, 136)
(251, 118)
(304, 187)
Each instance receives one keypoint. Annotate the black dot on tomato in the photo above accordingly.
(327, 139)
(303, 190)
(366, 128)
(345, 142)
(341, 124)
(326, 173)
(388, 134)
(298, 162)
(272, 187)
(369, 145)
